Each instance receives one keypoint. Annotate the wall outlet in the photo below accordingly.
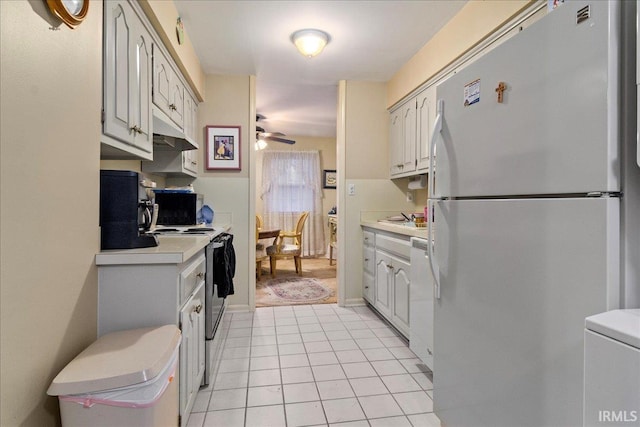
(351, 189)
(409, 196)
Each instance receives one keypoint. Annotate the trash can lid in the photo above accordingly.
(620, 325)
(118, 359)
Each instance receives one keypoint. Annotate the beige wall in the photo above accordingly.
(473, 23)
(327, 149)
(231, 102)
(363, 150)
(50, 148)
(163, 16)
(133, 165)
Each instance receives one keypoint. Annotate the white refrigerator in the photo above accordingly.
(533, 226)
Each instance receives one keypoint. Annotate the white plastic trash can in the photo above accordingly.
(125, 378)
(612, 369)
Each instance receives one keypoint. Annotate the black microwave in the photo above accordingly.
(178, 208)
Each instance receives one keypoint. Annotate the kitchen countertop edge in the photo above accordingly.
(170, 250)
(397, 229)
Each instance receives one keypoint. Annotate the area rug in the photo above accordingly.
(292, 290)
(316, 285)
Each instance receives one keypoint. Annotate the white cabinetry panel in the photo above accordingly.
(387, 277)
(126, 82)
(144, 295)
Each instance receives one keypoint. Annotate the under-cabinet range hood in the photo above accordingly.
(167, 135)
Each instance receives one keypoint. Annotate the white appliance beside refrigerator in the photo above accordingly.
(533, 228)
(421, 303)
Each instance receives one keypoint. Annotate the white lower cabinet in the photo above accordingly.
(192, 359)
(384, 277)
(400, 287)
(369, 269)
(369, 287)
(390, 277)
(143, 295)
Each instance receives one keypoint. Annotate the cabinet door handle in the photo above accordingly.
(200, 275)
(172, 107)
(366, 260)
(198, 308)
(366, 287)
(390, 267)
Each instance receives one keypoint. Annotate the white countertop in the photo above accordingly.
(395, 228)
(170, 250)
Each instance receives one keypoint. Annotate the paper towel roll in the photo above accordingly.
(419, 182)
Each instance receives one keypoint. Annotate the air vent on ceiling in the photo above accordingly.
(583, 14)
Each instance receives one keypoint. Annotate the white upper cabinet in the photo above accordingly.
(411, 126)
(190, 162)
(168, 90)
(162, 78)
(127, 50)
(190, 118)
(177, 106)
(396, 148)
(143, 94)
(425, 117)
(409, 137)
(173, 163)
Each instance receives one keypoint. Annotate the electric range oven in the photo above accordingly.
(219, 272)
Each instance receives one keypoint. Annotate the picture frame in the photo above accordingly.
(329, 179)
(223, 147)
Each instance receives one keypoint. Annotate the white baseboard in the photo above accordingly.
(238, 308)
(353, 302)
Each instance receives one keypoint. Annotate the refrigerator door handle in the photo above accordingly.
(435, 270)
(437, 128)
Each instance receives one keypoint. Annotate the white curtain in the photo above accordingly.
(291, 184)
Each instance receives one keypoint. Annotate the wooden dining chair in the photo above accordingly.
(282, 250)
(261, 246)
(259, 222)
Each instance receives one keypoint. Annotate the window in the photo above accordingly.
(291, 184)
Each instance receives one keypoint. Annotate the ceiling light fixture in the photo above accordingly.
(310, 42)
(261, 144)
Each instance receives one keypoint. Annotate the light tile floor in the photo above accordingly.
(314, 365)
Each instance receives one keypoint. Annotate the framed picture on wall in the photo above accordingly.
(223, 147)
(329, 179)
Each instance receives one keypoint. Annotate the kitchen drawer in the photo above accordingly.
(191, 276)
(368, 238)
(368, 287)
(369, 259)
(393, 245)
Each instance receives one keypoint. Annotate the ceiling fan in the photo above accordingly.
(261, 134)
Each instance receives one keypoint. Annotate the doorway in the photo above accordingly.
(317, 283)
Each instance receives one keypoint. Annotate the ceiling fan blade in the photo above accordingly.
(278, 139)
(270, 136)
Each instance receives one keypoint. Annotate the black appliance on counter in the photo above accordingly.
(178, 208)
(125, 211)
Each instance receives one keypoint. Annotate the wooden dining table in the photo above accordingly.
(262, 255)
(267, 234)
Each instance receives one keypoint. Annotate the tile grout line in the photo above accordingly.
(340, 363)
